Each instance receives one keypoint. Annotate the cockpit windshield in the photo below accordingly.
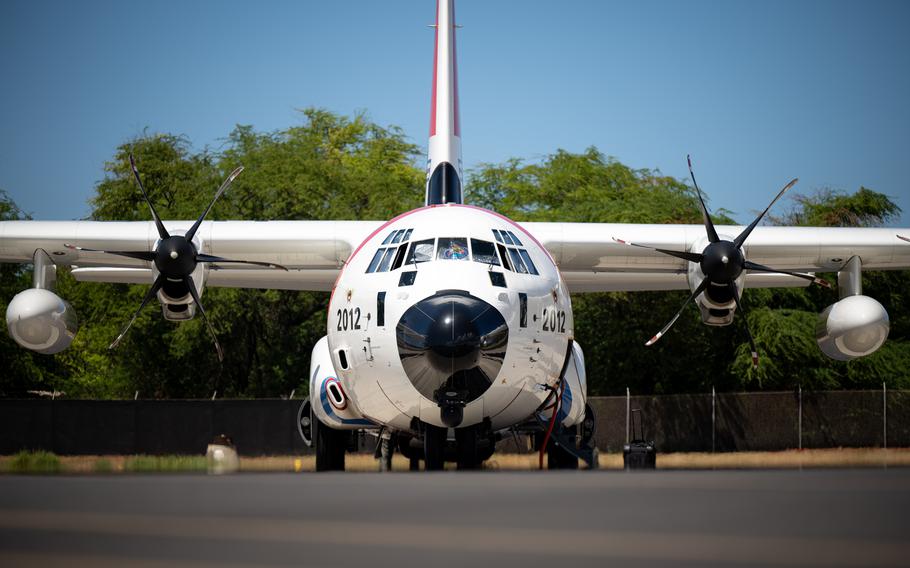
(507, 251)
(421, 251)
(484, 251)
(452, 248)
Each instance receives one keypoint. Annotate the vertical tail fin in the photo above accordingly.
(444, 168)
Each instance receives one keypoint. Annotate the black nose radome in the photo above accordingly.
(452, 346)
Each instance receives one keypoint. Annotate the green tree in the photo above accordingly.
(328, 167)
(334, 167)
(786, 333)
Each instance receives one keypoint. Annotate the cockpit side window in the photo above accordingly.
(484, 251)
(386, 259)
(517, 262)
(452, 248)
(527, 260)
(513, 258)
(375, 262)
(505, 257)
(389, 238)
(399, 257)
(421, 251)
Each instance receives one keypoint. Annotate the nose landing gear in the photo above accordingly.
(471, 446)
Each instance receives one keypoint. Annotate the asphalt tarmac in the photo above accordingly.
(663, 518)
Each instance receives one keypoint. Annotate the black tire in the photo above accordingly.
(330, 447)
(558, 457)
(434, 447)
(466, 448)
(414, 464)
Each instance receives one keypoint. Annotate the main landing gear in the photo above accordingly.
(331, 446)
(568, 445)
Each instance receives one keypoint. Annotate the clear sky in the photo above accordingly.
(757, 92)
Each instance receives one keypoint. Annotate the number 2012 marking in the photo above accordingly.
(554, 320)
(348, 319)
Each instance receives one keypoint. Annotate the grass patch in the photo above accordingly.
(35, 462)
(150, 464)
(49, 463)
(103, 465)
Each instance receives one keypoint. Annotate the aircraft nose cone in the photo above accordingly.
(452, 345)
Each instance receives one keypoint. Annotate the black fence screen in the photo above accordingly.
(83, 427)
(758, 421)
(699, 422)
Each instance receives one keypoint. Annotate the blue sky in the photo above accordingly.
(757, 92)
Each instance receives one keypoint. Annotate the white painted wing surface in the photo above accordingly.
(591, 261)
(313, 251)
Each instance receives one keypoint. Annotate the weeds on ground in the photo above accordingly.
(146, 464)
(35, 462)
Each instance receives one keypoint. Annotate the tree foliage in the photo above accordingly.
(334, 167)
(328, 167)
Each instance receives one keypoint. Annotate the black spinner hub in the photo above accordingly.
(175, 257)
(722, 262)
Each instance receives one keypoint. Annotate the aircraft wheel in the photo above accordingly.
(330, 447)
(414, 464)
(434, 446)
(466, 448)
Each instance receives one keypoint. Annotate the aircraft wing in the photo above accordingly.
(313, 251)
(591, 261)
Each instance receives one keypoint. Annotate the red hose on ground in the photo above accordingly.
(546, 439)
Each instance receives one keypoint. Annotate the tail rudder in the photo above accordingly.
(444, 166)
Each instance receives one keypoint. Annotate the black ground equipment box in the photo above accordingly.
(639, 453)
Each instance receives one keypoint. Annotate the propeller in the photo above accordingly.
(722, 261)
(903, 238)
(176, 257)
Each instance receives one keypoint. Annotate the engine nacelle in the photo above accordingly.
(851, 328)
(40, 320)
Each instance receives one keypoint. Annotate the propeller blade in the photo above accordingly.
(745, 234)
(209, 258)
(746, 324)
(141, 255)
(903, 238)
(709, 226)
(690, 256)
(699, 290)
(749, 265)
(192, 286)
(162, 232)
(226, 184)
(148, 296)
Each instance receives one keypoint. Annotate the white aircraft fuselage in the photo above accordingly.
(447, 304)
